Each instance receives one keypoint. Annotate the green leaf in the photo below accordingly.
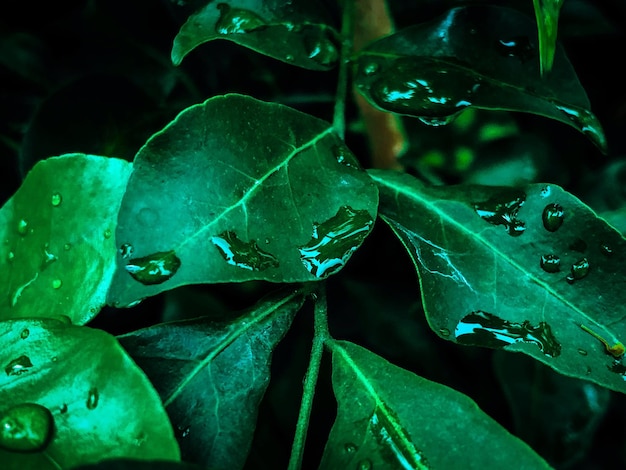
(236, 189)
(296, 32)
(57, 251)
(222, 364)
(388, 417)
(529, 269)
(101, 404)
(482, 56)
(547, 16)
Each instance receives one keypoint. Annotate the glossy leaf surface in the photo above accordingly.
(212, 374)
(547, 15)
(388, 417)
(101, 404)
(57, 250)
(528, 269)
(482, 56)
(297, 32)
(237, 189)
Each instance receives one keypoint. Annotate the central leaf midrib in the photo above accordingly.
(427, 203)
(257, 185)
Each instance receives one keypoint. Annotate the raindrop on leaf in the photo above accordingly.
(550, 263)
(18, 366)
(155, 268)
(27, 427)
(552, 217)
(92, 398)
(56, 199)
(237, 20)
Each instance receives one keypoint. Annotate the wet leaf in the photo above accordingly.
(236, 189)
(482, 56)
(222, 365)
(100, 403)
(487, 263)
(555, 414)
(388, 417)
(297, 32)
(57, 250)
(547, 15)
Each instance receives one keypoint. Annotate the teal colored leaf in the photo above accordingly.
(99, 402)
(57, 246)
(236, 189)
(529, 269)
(547, 16)
(297, 32)
(212, 374)
(388, 417)
(479, 55)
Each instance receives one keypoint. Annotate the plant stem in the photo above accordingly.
(320, 336)
(339, 117)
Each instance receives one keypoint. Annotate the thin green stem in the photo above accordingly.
(320, 335)
(339, 118)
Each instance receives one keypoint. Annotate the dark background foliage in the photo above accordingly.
(95, 77)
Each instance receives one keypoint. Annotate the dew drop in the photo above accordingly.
(183, 431)
(56, 199)
(48, 259)
(92, 398)
(444, 332)
(10, 256)
(546, 191)
(27, 427)
(582, 352)
(22, 227)
(365, 464)
(579, 270)
(289, 58)
(57, 283)
(606, 250)
(63, 408)
(155, 268)
(322, 50)
(333, 242)
(550, 263)
(246, 255)
(502, 209)
(518, 47)
(344, 156)
(237, 20)
(587, 123)
(349, 448)
(552, 217)
(107, 233)
(25, 333)
(126, 250)
(18, 366)
(67, 246)
(370, 68)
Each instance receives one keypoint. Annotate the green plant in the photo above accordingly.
(242, 218)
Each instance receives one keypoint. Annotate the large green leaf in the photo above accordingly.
(528, 269)
(298, 32)
(95, 401)
(212, 375)
(237, 189)
(388, 417)
(57, 251)
(482, 56)
(547, 15)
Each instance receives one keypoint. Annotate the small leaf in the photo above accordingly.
(224, 365)
(482, 56)
(236, 189)
(499, 272)
(297, 33)
(57, 250)
(547, 15)
(388, 417)
(75, 391)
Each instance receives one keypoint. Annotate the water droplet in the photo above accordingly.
(107, 233)
(48, 259)
(485, 329)
(393, 440)
(333, 242)
(444, 332)
(56, 199)
(237, 20)
(25, 333)
(502, 209)
(369, 68)
(246, 255)
(518, 47)
(606, 250)
(10, 256)
(183, 431)
(289, 58)
(349, 448)
(67, 246)
(550, 263)
(587, 123)
(322, 47)
(54, 358)
(580, 269)
(22, 227)
(155, 268)
(365, 464)
(57, 283)
(582, 352)
(27, 427)
(92, 398)
(126, 250)
(345, 156)
(63, 408)
(18, 366)
(552, 217)
(546, 191)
